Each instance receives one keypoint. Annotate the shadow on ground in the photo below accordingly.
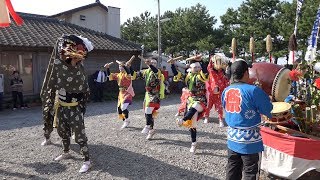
(15, 175)
(136, 166)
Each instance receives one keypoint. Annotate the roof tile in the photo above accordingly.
(42, 31)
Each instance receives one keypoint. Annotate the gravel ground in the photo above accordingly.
(115, 153)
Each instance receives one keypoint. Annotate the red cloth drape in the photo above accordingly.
(9, 9)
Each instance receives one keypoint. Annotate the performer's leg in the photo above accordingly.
(210, 102)
(125, 112)
(64, 132)
(48, 124)
(193, 132)
(219, 109)
(149, 122)
(234, 166)
(120, 113)
(77, 124)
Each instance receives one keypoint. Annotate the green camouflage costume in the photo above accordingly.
(73, 91)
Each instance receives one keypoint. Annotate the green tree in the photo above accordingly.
(189, 29)
(277, 18)
(141, 29)
(253, 18)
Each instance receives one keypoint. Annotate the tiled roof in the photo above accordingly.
(71, 11)
(42, 31)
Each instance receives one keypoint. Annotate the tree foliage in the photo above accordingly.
(188, 29)
(258, 18)
(191, 29)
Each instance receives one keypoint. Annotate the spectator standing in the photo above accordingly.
(16, 89)
(100, 77)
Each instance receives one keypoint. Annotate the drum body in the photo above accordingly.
(272, 78)
(281, 112)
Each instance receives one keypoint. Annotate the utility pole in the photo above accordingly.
(159, 36)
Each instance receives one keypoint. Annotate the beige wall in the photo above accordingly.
(97, 19)
(113, 21)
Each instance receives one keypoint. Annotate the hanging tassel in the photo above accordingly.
(252, 48)
(234, 48)
(293, 47)
(269, 46)
(6, 8)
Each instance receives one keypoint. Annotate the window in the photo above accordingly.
(82, 17)
(21, 62)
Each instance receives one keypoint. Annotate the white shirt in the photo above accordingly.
(101, 77)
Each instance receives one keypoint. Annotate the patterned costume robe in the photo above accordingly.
(73, 91)
(126, 92)
(195, 83)
(154, 88)
(215, 85)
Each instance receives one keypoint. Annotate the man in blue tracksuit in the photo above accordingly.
(243, 104)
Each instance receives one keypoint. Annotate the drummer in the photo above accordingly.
(243, 104)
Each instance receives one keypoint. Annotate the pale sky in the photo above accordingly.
(129, 8)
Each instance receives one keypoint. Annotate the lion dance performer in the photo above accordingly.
(215, 85)
(67, 77)
(154, 93)
(126, 93)
(197, 101)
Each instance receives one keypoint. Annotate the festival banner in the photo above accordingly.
(312, 41)
(298, 14)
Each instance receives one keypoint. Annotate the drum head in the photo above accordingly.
(281, 85)
(280, 107)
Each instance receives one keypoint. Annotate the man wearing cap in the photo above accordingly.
(197, 101)
(243, 104)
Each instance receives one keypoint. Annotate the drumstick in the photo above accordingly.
(119, 62)
(131, 59)
(108, 64)
(172, 60)
(194, 57)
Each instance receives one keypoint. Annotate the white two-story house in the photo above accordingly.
(95, 16)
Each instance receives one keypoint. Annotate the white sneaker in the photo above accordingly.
(179, 122)
(206, 121)
(62, 156)
(221, 124)
(125, 124)
(150, 134)
(146, 129)
(46, 142)
(193, 147)
(85, 167)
